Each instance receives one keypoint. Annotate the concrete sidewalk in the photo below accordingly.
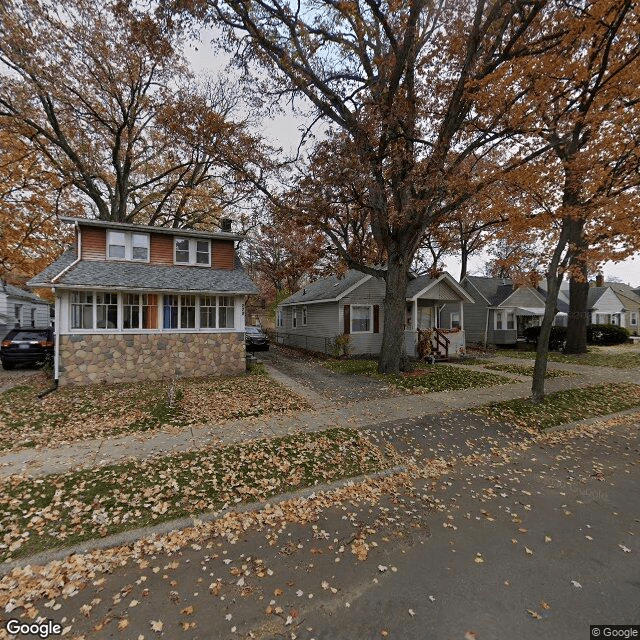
(105, 451)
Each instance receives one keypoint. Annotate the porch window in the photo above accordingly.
(226, 312)
(361, 319)
(511, 320)
(499, 320)
(208, 312)
(187, 312)
(170, 312)
(279, 319)
(81, 310)
(106, 310)
(455, 320)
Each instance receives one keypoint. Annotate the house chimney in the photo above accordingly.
(599, 280)
(225, 224)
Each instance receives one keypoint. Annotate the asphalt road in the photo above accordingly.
(524, 542)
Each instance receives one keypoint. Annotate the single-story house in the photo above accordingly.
(20, 308)
(606, 307)
(501, 311)
(135, 302)
(631, 302)
(352, 304)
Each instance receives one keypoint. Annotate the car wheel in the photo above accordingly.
(8, 365)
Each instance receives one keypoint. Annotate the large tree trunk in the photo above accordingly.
(577, 322)
(578, 291)
(394, 316)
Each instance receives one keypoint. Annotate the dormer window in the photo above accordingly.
(192, 251)
(126, 245)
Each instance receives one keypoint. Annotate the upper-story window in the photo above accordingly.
(128, 245)
(192, 251)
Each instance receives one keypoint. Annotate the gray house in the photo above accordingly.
(20, 308)
(352, 305)
(501, 311)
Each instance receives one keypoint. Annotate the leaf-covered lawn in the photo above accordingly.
(595, 358)
(94, 411)
(524, 370)
(61, 510)
(562, 407)
(439, 377)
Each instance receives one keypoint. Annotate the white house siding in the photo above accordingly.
(8, 313)
(608, 304)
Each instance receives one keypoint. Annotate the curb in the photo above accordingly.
(588, 421)
(128, 537)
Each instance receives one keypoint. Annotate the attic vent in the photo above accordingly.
(225, 224)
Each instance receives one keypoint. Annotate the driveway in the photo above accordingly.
(340, 388)
(19, 375)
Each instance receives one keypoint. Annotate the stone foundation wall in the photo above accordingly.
(86, 359)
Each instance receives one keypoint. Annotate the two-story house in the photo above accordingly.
(134, 302)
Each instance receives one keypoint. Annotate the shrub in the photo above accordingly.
(557, 339)
(606, 334)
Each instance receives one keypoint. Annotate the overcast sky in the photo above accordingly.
(285, 132)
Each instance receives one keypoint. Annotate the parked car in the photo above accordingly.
(255, 339)
(34, 346)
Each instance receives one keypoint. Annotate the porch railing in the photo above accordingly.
(441, 340)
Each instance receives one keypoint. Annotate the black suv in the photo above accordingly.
(255, 339)
(32, 346)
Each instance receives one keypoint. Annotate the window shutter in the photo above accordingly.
(347, 318)
(376, 318)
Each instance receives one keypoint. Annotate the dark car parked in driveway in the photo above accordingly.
(255, 339)
(32, 346)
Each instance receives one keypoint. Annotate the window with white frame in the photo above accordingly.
(106, 310)
(499, 320)
(304, 316)
(511, 320)
(82, 309)
(455, 320)
(208, 312)
(187, 312)
(139, 311)
(128, 245)
(170, 311)
(279, 318)
(294, 319)
(226, 312)
(633, 320)
(192, 251)
(361, 318)
(33, 317)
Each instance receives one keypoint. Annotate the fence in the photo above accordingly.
(318, 344)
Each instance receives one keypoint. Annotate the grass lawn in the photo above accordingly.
(95, 411)
(439, 377)
(61, 510)
(525, 370)
(595, 358)
(562, 407)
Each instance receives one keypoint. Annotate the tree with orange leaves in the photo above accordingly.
(397, 81)
(100, 91)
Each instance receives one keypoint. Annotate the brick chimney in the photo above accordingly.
(599, 280)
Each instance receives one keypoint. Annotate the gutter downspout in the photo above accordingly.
(56, 352)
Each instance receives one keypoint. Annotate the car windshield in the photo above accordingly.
(30, 335)
(254, 330)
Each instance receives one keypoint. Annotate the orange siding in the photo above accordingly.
(222, 254)
(94, 243)
(161, 249)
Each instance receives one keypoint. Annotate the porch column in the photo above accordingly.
(461, 307)
(415, 314)
(436, 324)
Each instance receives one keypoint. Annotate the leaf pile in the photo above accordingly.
(95, 411)
(563, 407)
(64, 509)
(436, 378)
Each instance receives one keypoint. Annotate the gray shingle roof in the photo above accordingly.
(418, 284)
(328, 288)
(21, 294)
(43, 279)
(124, 275)
(495, 290)
(594, 295)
